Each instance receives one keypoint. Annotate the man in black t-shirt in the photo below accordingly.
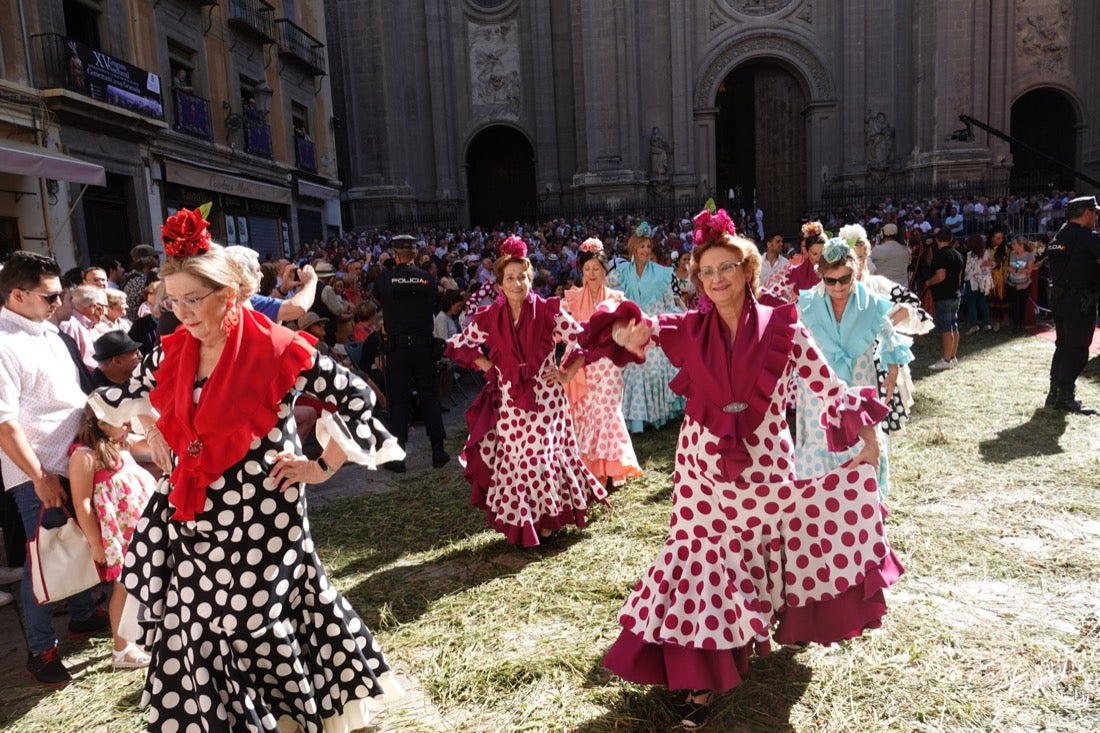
(946, 280)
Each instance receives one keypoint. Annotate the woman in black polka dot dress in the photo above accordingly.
(245, 630)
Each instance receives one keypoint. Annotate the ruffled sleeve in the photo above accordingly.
(464, 347)
(351, 422)
(568, 331)
(126, 401)
(847, 409)
(779, 287)
(893, 347)
(596, 335)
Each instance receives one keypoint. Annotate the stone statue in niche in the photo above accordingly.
(1042, 32)
(880, 140)
(660, 155)
(494, 65)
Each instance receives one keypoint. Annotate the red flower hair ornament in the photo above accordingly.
(186, 233)
(711, 223)
(513, 246)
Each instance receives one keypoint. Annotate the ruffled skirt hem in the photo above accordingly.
(357, 714)
(845, 616)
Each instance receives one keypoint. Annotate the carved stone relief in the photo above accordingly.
(1042, 33)
(758, 7)
(806, 64)
(494, 64)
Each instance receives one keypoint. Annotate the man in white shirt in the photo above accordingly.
(891, 257)
(773, 257)
(41, 406)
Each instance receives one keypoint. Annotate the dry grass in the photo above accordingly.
(995, 511)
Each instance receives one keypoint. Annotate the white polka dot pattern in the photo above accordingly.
(244, 625)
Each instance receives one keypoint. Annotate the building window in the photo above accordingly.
(9, 236)
(82, 21)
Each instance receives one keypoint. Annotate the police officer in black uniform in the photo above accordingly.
(1074, 258)
(408, 295)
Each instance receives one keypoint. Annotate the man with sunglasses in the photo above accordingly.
(41, 404)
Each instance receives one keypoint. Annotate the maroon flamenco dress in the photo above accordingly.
(751, 552)
(785, 283)
(521, 457)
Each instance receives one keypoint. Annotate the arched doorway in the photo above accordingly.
(500, 170)
(760, 143)
(1045, 120)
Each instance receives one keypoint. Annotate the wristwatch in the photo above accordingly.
(329, 470)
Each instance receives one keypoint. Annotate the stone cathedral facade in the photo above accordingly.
(489, 110)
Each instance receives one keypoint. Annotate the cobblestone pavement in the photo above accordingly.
(17, 691)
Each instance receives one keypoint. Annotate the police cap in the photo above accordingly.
(405, 242)
(1081, 204)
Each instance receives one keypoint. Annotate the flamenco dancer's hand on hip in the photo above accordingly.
(291, 468)
(869, 453)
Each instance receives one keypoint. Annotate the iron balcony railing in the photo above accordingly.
(297, 44)
(254, 17)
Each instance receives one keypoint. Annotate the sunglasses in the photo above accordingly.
(842, 280)
(50, 298)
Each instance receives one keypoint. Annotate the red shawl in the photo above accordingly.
(239, 401)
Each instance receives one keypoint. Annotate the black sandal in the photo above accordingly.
(694, 711)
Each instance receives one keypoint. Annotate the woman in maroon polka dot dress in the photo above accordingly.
(752, 552)
(521, 457)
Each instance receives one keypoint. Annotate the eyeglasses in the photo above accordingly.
(842, 280)
(708, 273)
(189, 302)
(51, 298)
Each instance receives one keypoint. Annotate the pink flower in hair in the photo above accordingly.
(708, 225)
(513, 246)
(592, 245)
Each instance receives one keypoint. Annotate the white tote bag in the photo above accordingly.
(61, 561)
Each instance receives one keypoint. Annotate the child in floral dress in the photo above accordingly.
(110, 491)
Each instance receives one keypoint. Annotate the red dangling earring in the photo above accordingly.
(231, 318)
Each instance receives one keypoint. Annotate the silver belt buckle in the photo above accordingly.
(735, 407)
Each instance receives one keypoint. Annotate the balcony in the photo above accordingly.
(253, 17)
(296, 44)
(193, 115)
(257, 138)
(82, 72)
(305, 154)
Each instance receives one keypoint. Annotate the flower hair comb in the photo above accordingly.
(513, 246)
(711, 222)
(186, 232)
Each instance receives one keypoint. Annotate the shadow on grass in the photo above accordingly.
(761, 703)
(1036, 437)
(408, 591)
(366, 532)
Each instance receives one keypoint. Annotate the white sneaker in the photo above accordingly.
(5, 598)
(940, 365)
(954, 361)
